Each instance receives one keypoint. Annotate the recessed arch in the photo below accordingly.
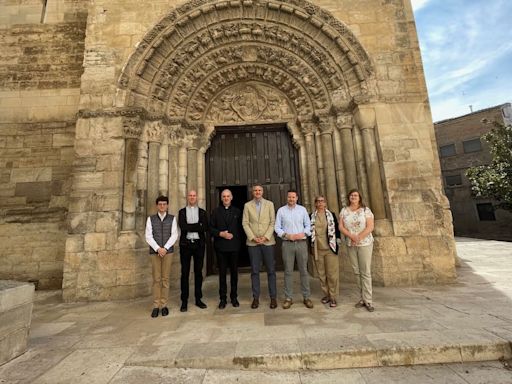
(190, 46)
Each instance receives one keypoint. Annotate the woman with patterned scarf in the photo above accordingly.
(324, 236)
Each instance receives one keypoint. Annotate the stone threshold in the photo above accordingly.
(377, 350)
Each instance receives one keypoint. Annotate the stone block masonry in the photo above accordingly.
(15, 315)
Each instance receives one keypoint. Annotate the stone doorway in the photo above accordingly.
(241, 156)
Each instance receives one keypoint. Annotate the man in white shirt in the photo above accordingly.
(161, 234)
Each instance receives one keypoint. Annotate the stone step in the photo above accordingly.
(375, 350)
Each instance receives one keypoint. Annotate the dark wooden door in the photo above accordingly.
(240, 157)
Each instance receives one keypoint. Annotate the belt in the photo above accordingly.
(193, 240)
(295, 241)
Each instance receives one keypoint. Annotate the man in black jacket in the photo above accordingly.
(226, 227)
(193, 224)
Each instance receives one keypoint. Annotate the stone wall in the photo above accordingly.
(40, 69)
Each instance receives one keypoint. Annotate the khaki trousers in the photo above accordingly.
(161, 268)
(361, 261)
(328, 270)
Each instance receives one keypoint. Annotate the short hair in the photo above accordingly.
(320, 196)
(293, 191)
(162, 198)
(257, 185)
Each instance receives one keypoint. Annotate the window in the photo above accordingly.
(472, 145)
(453, 180)
(486, 212)
(447, 150)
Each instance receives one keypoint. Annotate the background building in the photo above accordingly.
(461, 146)
(106, 104)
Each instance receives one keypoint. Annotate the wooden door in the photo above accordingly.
(240, 157)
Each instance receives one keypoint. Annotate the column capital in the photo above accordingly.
(153, 131)
(132, 127)
(344, 121)
(365, 116)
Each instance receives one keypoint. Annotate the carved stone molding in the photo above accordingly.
(200, 40)
(154, 130)
(250, 102)
(132, 127)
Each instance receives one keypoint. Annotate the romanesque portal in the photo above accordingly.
(344, 82)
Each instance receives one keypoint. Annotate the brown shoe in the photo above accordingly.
(273, 303)
(369, 307)
(308, 303)
(325, 300)
(287, 303)
(360, 304)
(255, 303)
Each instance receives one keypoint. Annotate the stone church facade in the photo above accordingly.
(86, 150)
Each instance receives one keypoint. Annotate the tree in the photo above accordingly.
(494, 181)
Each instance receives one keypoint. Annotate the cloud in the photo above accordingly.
(467, 52)
(418, 4)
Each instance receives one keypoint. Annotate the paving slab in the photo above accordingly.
(470, 320)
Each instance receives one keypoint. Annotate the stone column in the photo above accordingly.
(362, 176)
(365, 119)
(344, 124)
(132, 132)
(153, 176)
(308, 130)
(154, 135)
(331, 190)
(340, 170)
(303, 166)
(182, 175)
(142, 185)
(319, 164)
(163, 171)
(173, 179)
(201, 177)
(192, 168)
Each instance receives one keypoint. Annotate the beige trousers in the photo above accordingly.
(328, 271)
(161, 268)
(361, 261)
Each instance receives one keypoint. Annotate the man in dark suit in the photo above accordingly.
(225, 227)
(193, 223)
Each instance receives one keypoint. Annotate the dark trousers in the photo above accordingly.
(188, 251)
(228, 260)
(257, 254)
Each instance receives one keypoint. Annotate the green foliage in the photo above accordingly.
(494, 181)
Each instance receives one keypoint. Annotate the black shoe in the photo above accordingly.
(222, 304)
(255, 303)
(183, 307)
(154, 312)
(235, 302)
(165, 311)
(200, 304)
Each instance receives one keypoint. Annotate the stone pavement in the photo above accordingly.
(118, 342)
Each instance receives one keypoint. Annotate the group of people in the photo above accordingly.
(292, 224)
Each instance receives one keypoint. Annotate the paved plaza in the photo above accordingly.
(467, 326)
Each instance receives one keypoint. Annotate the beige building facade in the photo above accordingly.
(461, 146)
(85, 151)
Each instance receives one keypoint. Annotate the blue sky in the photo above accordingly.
(466, 47)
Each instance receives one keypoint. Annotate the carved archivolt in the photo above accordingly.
(204, 47)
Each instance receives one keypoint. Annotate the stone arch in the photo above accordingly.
(203, 37)
(202, 62)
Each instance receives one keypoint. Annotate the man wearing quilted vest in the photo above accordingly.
(161, 234)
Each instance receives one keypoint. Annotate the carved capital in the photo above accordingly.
(344, 121)
(154, 131)
(132, 127)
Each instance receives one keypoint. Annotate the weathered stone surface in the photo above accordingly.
(15, 316)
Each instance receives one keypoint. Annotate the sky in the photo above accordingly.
(466, 47)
